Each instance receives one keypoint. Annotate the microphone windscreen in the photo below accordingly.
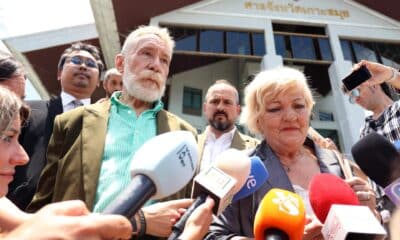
(280, 210)
(257, 177)
(236, 164)
(377, 157)
(170, 154)
(396, 144)
(327, 189)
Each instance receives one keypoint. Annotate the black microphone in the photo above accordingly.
(377, 157)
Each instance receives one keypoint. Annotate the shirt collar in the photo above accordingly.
(67, 98)
(115, 101)
(211, 135)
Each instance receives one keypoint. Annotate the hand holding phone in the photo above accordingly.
(355, 79)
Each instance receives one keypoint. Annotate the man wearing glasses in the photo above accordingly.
(375, 95)
(79, 71)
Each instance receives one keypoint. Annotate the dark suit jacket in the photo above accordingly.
(75, 152)
(34, 138)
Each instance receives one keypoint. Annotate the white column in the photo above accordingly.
(349, 117)
(270, 59)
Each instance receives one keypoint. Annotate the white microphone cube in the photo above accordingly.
(216, 183)
(351, 222)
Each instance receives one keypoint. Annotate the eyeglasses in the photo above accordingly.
(78, 60)
(353, 95)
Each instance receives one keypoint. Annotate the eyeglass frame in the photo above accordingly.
(354, 94)
(81, 60)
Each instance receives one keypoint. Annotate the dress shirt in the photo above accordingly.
(126, 133)
(214, 146)
(68, 101)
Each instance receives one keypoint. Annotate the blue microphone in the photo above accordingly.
(397, 145)
(257, 177)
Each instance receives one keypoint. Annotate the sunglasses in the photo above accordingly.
(353, 95)
(78, 60)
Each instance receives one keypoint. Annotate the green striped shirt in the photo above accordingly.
(126, 132)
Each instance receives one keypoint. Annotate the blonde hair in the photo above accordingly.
(265, 87)
(141, 31)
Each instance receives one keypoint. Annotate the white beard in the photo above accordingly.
(135, 89)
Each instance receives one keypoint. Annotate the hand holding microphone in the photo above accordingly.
(221, 181)
(337, 206)
(364, 192)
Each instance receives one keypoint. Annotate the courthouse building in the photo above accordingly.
(235, 39)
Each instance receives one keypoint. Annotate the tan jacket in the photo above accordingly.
(75, 151)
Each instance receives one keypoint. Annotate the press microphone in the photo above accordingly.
(378, 158)
(220, 181)
(176, 152)
(280, 216)
(337, 206)
(392, 191)
(257, 177)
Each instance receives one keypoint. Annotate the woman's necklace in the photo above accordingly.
(286, 167)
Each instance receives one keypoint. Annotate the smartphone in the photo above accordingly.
(355, 78)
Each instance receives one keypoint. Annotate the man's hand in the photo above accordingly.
(379, 74)
(160, 217)
(199, 222)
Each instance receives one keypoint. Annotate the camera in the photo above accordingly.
(355, 79)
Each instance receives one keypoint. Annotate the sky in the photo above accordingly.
(24, 17)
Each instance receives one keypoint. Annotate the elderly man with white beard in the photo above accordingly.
(91, 147)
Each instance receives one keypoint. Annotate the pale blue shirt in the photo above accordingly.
(126, 133)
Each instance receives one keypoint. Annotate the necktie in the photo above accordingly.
(76, 103)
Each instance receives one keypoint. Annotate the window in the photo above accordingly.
(346, 49)
(238, 43)
(185, 39)
(212, 41)
(325, 49)
(258, 44)
(303, 47)
(363, 52)
(192, 99)
(280, 46)
(386, 53)
(244, 43)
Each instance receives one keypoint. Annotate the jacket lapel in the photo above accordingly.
(94, 128)
(237, 141)
(201, 140)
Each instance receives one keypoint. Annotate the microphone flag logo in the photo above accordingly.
(287, 203)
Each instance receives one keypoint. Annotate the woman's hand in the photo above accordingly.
(364, 192)
(312, 230)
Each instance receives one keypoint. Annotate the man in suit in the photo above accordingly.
(91, 148)
(222, 109)
(79, 70)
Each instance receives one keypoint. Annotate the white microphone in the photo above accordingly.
(161, 167)
(220, 181)
(351, 222)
